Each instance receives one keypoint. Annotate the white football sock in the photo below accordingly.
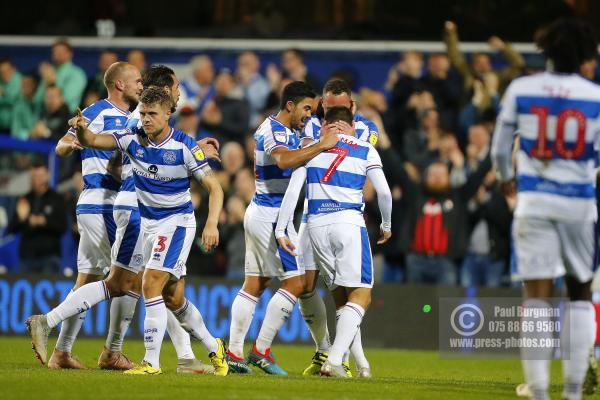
(279, 309)
(180, 338)
(358, 353)
(312, 308)
(78, 302)
(155, 324)
(122, 310)
(242, 312)
(191, 320)
(536, 361)
(350, 318)
(346, 357)
(581, 334)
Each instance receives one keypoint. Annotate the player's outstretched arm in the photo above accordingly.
(286, 211)
(286, 158)
(210, 234)
(384, 200)
(88, 138)
(67, 145)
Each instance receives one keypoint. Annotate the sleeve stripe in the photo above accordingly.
(276, 147)
(114, 135)
(204, 164)
(374, 166)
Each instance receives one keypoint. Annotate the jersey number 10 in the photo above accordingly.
(542, 149)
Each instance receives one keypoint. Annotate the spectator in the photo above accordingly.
(226, 116)
(450, 153)
(421, 145)
(244, 185)
(277, 85)
(255, 87)
(485, 100)
(232, 158)
(26, 111)
(481, 64)
(490, 218)
(41, 220)
(404, 80)
(198, 91)
(294, 68)
(54, 118)
(232, 236)
(137, 58)
(96, 83)
(445, 85)
(10, 89)
(68, 77)
(434, 230)
(189, 122)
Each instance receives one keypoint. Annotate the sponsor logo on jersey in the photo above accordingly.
(280, 137)
(199, 154)
(373, 139)
(153, 169)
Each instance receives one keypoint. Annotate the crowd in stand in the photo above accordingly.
(435, 116)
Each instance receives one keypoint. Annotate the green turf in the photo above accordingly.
(398, 375)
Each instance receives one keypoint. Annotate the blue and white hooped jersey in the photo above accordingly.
(365, 129)
(100, 188)
(161, 173)
(271, 181)
(126, 198)
(335, 179)
(557, 120)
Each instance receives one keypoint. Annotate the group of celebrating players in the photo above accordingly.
(136, 222)
(148, 219)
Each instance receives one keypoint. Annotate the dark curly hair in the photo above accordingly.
(568, 43)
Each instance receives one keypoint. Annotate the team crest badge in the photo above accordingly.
(373, 139)
(199, 154)
(139, 153)
(280, 136)
(169, 157)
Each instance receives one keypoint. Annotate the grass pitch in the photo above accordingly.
(398, 375)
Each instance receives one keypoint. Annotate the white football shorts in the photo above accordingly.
(343, 255)
(167, 247)
(264, 256)
(96, 236)
(126, 251)
(547, 249)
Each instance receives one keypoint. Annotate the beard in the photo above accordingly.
(132, 101)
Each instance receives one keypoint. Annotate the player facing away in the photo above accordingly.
(95, 223)
(336, 227)
(336, 92)
(556, 116)
(276, 154)
(128, 238)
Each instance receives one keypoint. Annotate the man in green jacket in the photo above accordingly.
(68, 77)
(10, 89)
